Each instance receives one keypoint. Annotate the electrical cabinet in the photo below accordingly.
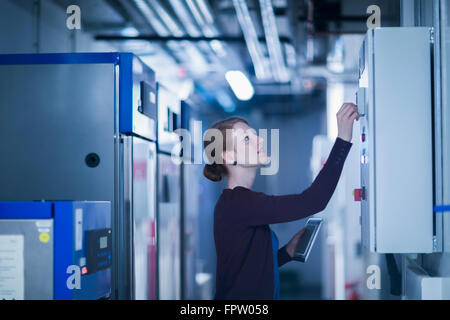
(395, 104)
(82, 126)
(55, 250)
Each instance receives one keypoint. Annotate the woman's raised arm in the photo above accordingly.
(261, 209)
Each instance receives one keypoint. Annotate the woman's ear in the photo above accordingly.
(228, 157)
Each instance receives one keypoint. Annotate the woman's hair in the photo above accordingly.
(215, 171)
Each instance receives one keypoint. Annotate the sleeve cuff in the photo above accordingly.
(343, 143)
(283, 256)
(340, 150)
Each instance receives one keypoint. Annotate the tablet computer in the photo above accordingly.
(307, 240)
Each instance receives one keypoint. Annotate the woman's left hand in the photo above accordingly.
(292, 244)
(345, 120)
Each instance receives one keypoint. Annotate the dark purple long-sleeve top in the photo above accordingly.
(242, 235)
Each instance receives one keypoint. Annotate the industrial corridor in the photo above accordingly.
(224, 150)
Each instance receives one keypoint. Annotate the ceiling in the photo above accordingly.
(288, 47)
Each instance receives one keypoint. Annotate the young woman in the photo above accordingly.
(248, 257)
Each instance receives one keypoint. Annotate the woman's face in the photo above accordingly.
(248, 147)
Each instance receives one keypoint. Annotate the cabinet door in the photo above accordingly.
(169, 218)
(144, 216)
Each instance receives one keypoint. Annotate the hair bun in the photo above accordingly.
(213, 172)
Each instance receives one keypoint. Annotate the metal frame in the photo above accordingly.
(445, 113)
(115, 281)
(437, 84)
(126, 218)
(60, 58)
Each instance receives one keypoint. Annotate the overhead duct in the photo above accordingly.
(204, 19)
(208, 30)
(171, 24)
(151, 18)
(251, 39)
(280, 72)
(185, 17)
(168, 26)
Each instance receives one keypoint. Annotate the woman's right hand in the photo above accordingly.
(293, 243)
(345, 119)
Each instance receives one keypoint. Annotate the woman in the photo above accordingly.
(247, 250)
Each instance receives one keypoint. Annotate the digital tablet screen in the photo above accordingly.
(307, 240)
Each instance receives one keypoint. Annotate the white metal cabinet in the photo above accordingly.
(395, 104)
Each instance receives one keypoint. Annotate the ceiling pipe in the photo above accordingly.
(158, 38)
(185, 18)
(165, 26)
(197, 16)
(184, 15)
(152, 18)
(197, 54)
(171, 24)
(251, 39)
(280, 71)
(204, 9)
(205, 20)
(130, 14)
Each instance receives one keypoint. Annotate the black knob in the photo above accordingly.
(92, 160)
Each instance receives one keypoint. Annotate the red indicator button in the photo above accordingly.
(83, 270)
(358, 194)
(363, 137)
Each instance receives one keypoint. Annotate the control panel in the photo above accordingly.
(99, 245)
(395, 107)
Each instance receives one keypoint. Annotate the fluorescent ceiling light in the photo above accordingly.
(240, 85)
(129, 32)
(251, 39)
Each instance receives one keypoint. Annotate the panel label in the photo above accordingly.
(12, 268)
